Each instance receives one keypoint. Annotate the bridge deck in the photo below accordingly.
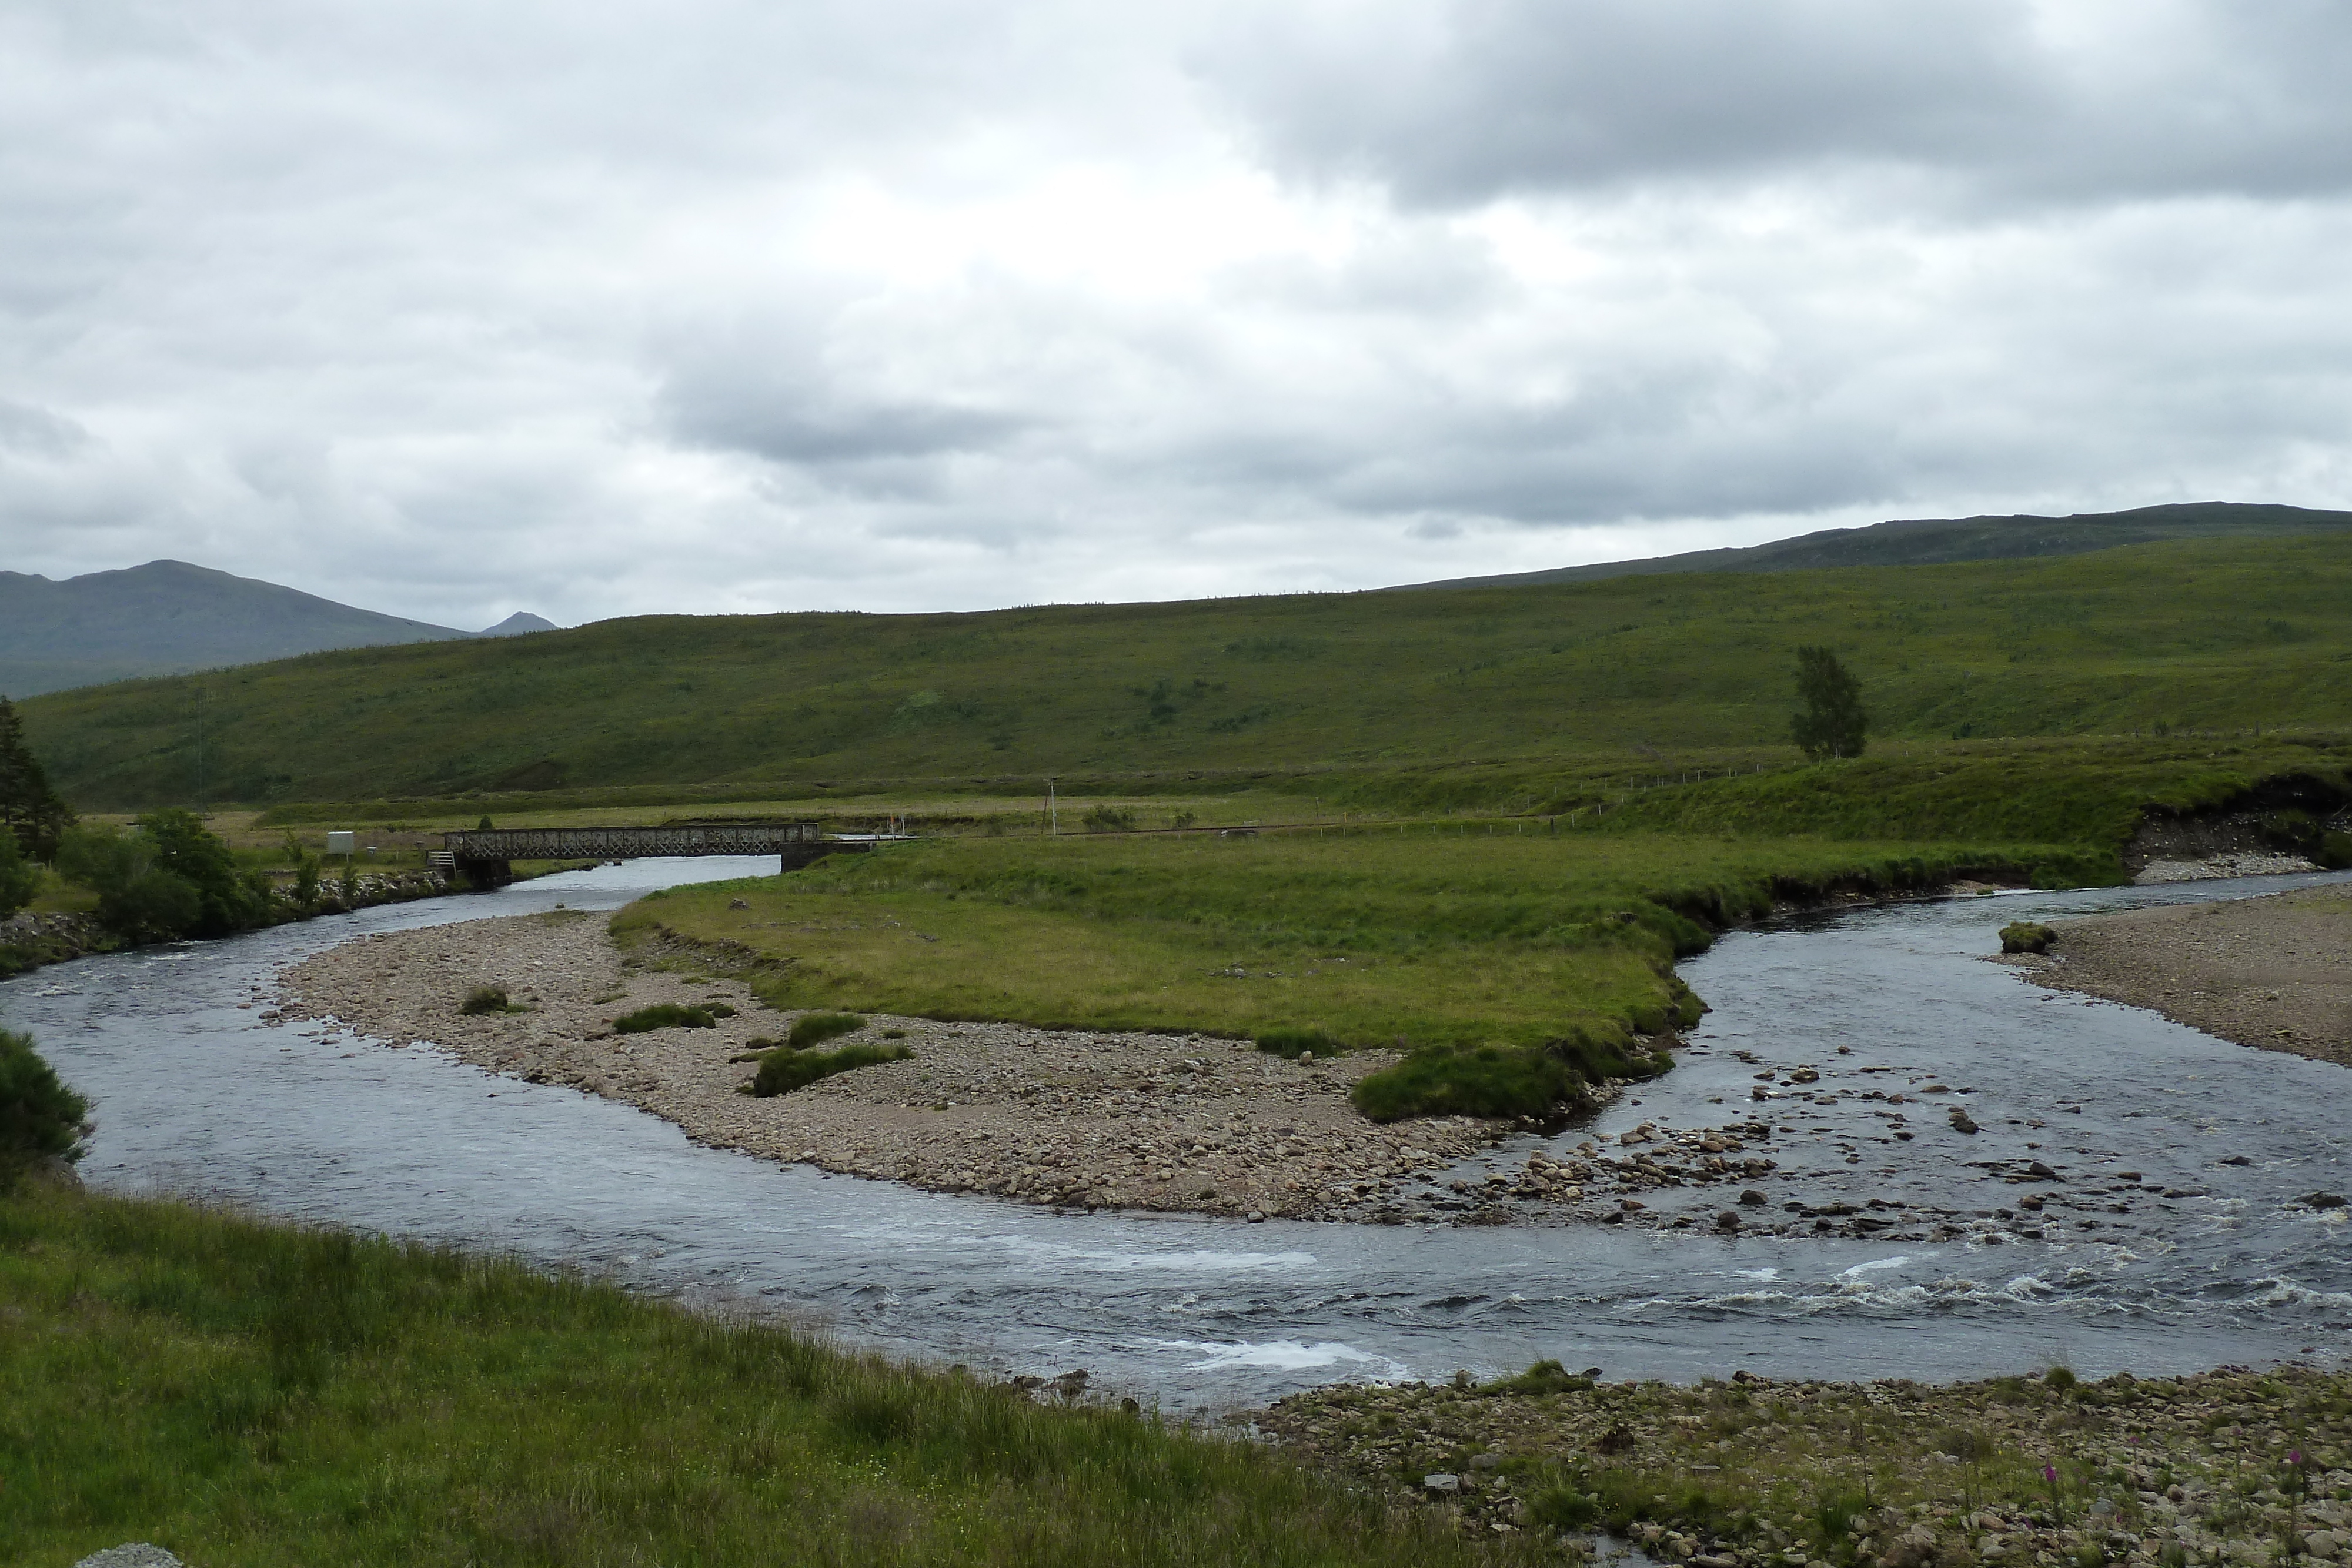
(630, 843)
(486, 856)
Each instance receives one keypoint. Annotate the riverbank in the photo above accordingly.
(2273, 972)
(2230, 1465)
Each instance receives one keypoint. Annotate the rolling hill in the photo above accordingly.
(2222, 634)
(1934, 541)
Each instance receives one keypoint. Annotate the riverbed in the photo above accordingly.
(194, 1095)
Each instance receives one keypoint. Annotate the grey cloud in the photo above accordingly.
(1469, 100)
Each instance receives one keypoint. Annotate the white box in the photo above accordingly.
(339, 843)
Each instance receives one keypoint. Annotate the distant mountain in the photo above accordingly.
(1928, 541)
(166, 617)
(520, 623)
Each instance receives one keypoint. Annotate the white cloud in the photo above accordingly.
(606, 308)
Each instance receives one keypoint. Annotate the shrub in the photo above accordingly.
(1292, 1043)
(2335, 851)
(782, 1072)
(816, 1029)
(2027, 936)
(40, 1118)
(668, 1015)
(1474, 1081)
(484, 999)
(19, 877)
(1544, 1377)
(1108, 819)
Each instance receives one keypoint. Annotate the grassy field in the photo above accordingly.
(2210, 635)
(1441, 937)
(252, 1394)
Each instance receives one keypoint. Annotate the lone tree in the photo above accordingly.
(1833, 724)
(29, 809)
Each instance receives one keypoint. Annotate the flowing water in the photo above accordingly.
(194, 1095)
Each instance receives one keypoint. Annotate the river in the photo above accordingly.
(195, 1096)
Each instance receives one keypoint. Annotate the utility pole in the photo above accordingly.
(200, 747)
(1053, 810)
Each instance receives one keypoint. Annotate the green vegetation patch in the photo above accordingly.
(816, 1029)
(672, 1015)
(782, 1072)
(2027, 936)
(261, 1395)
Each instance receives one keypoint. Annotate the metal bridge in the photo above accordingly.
(486, 856)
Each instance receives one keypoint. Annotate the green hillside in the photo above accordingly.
(1935, 541)
(2201, 634)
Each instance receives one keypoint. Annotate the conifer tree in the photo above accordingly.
(29, 809)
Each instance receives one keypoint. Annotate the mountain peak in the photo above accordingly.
(520, 624)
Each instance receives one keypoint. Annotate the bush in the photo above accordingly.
(816, 1029)
(485, 999)
(670, 1015)
(1293, 1042)
(40, 1118)
(1108, 819)
(782, 1072)
(2027, 936)
(19, 877)
(1475, 1081)
(2335, 851)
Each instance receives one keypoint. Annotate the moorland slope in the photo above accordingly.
(2198, 633)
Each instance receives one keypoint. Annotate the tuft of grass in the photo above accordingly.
(484, 999)
(2027, 936)
(672, 1015)
(263, 1394)
(782, 1072)
(1293, 1043)
(1470, 1081)
(816, 1029)
(1545, 1376)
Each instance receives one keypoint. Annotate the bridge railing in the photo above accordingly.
(487, 844)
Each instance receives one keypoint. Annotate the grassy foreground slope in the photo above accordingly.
(2211, 634)
(244, 1392)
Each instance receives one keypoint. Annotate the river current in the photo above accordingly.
(194, 1096)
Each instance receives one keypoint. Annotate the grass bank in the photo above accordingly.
(1446, 940)
(248, 1393)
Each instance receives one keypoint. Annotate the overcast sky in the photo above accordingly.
(608, 306)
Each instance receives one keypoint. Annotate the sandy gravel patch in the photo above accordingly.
(1078, 1119)
(2273, 972)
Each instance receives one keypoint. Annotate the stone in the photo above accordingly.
(133, 1554)
(2322, 1200)
(1752, 1198)
(1486, 1461)
(1962, 1122)
(1727, 1220)
(2044, 1171)
(1443, 1482)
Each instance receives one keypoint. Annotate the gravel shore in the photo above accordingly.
(1066, 1118)
(2273, 972)
(2227, 1466)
